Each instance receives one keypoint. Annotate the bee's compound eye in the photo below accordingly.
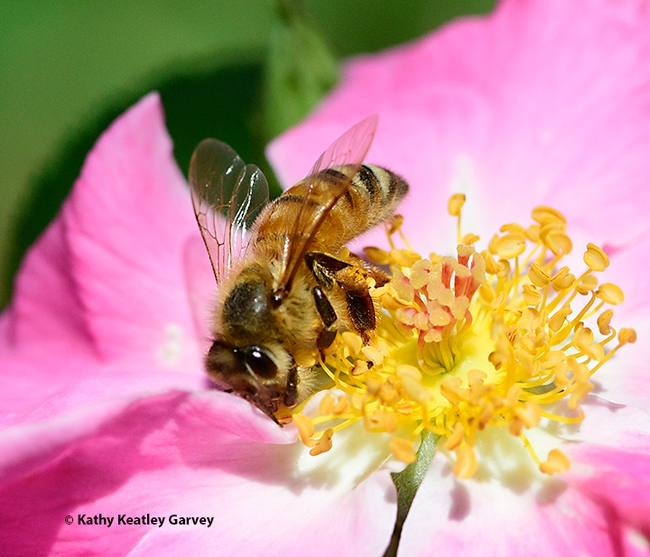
(260, 363)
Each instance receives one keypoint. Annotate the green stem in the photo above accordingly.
(407, 483)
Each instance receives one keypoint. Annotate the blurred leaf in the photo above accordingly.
(369, 26)
(223, 103)
(300, 69)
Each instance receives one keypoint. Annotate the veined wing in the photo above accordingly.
(227, 196)
(348, 150)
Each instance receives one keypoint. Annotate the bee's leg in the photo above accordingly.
(291, 391)
(352, 279)
(324, 267)
(328, 315)
(362, 311)
(381, 277)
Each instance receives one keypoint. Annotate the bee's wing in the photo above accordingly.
(348, 150)
(221, 184)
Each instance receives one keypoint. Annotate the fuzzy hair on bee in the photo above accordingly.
(285, 286)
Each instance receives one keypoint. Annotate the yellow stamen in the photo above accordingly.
(556, 462)
(402, 449)
(466, 464)
(484, 339)
(324, 444)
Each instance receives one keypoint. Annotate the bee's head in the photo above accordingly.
(251, 372)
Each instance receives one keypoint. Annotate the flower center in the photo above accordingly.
(492, 339)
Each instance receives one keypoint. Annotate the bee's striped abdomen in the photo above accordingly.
(384, 189)
(371, 197)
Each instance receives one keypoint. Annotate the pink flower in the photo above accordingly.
(106, 409)
(542, 103)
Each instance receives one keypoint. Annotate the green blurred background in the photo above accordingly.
(67, 68)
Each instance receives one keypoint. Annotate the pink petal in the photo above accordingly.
(502, 515)
(541, 103)
(619, 481)
(128, 221)
(108, 274)
(190, 455)
(46, 308)
(104, 304)
(511, 508)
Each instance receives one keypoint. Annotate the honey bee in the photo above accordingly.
(285, 287)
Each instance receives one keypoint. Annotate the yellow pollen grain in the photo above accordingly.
(402, 449)
(377, 255)
(558, 318)
(324, 444)
(415, 391)
(452, 391)
(373, 354)
(455, 204)
(491, 266)
(531, 295)
(511, 245)
(353, 342)
(544, 215)
(563, 280)
(558, 242)
(405, 371)
(466, 464)
(487, 294)
(610, 293)
(578, 395)
(552, 359)
(529, 413)
(456, 438)
(627, 336)
(326, 405)
(373, 384)
(305, 429)
(360, 367)
(582, 336)
(595, 258)
(341, 407)
(587, 284)
(555, 463)
(548, 229)
(384, 421)
(525, 359)
(469, 239)
(538, 276)
(532, 233)
(404, 257)
(512, 227)
(358, 400)
(603, 321)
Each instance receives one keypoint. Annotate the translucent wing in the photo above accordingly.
(221, 186)
(348, 150)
